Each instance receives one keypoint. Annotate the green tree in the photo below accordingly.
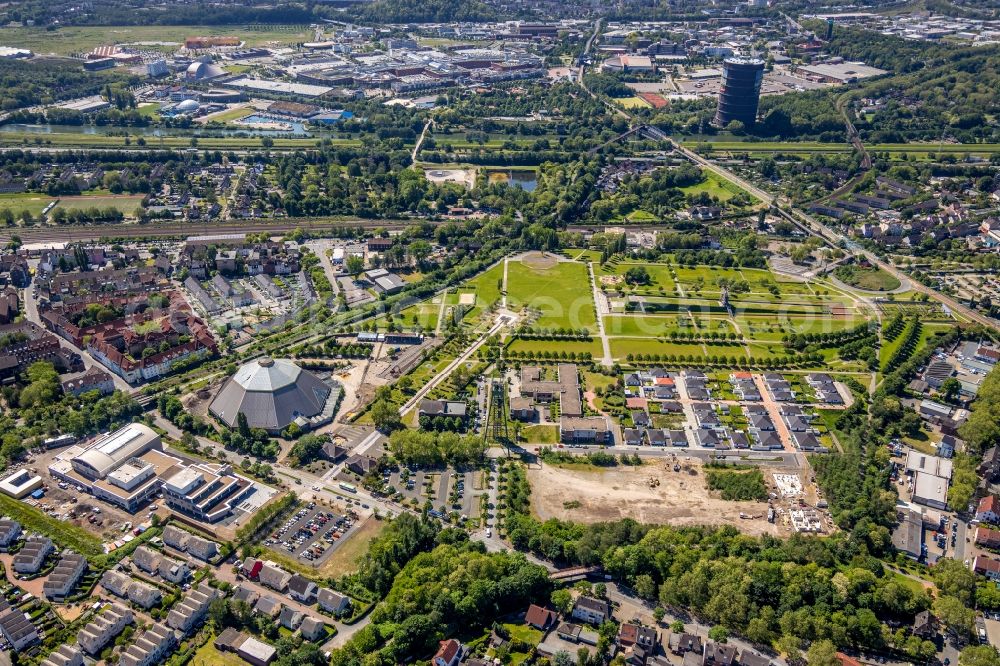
(645, 586)
(718, 633)
(955, 615)
(950, 388)
(822, 653)
(355, 264)
(562, 600)
(955, 580)
(979, 655)
(637, 275)
(790, 646)
(43, 387)
(385, 415)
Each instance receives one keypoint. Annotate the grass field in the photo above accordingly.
(230, 115)
(774, 327)
(423, 315)
(867, 278)
(523, 633)
(632, 103)
(78, 39)
(661, 325)
(660, 278)
(715, 186)
(486, 286)
(63, 533)
(622, 347)
(150, 109)
(682, 300)
(36, 203)
(82, 140)
(706, 278)
(33, 203)
(577, 346)
(540, 434)
(560, 291)
(208, 655)
(126, 203)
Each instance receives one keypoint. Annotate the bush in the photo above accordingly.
(738, 485)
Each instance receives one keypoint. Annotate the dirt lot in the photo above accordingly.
(681, 498)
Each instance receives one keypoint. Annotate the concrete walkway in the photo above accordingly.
(601, 308)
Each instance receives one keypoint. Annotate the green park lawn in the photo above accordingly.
(76, 39)
(867, 278)
(231, 115)
(705, 279)
(63, 533)
(659, 274)
(560, 293)
(576, 346)
(31, 202)
(208, 655)
(486, 287)
(523, 633)
(622, 347)
(715, 186)
(637, 325)
(35, 203)
(540, 434)
(150, 109)
(423, 315)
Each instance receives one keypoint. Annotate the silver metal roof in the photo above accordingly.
(271, 393)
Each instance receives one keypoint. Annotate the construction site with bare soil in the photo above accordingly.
(670, 492)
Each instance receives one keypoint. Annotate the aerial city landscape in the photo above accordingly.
(489, 333)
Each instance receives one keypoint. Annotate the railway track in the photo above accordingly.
(180, 229)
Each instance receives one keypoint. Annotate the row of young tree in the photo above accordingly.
(435, 448)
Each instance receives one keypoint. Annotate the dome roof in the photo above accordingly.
(188, 105)
(271, 393)
(204, 70)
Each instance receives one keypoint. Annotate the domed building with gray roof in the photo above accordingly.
(274, 393)
(203, 71)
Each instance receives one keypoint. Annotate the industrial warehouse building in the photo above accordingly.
(273, 393)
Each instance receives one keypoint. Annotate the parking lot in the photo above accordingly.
(447, 489)
(65, 503)
(312, 534)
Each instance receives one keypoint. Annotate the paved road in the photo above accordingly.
(586, 49)
(345, 632)
(774, 411)
(320, 248)
(631, 606)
